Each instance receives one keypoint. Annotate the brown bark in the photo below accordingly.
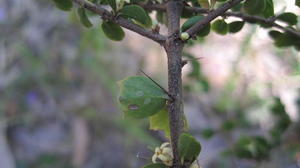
(173, 47)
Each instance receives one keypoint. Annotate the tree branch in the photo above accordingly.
(245, 17)
(248, 18)
(211, 16)
(267, 21)
(106, 15)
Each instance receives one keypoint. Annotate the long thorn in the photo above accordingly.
(163, 89)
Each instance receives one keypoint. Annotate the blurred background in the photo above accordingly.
(58, 94)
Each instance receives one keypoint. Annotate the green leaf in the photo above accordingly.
(193, 20)
(189, 148)
(113, 31)
(288, 17)
(140, 97)
(64, 5)
(112, 4)
(297, 2)
(255, 7)
(190, 22)
(220, 27)
(236, 26)
(84, 18)
(137, 13)
(160, 121)
(155, 165)
(282, 39)
(269, 10)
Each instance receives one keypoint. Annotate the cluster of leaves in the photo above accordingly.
(120, 8)
(262, 8)
(136, 14)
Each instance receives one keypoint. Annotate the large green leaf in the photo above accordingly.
(236, 26)
(113, 31)
(140, 97)
(64, 5)
(193, 20)
(255, 7)
(220, 27)
(189, 148)
(155, 165)
(160, 121)
(288, 17)
(84, 18)
(137, 13)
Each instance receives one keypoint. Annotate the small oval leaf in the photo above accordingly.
(64, 5)
(236, 26)
(189, 148)
(193, 20)
(84, 18)
(113, 31)
(220, 27)
(288, 17)
(281, 39)
(255, 7)
(137, 13)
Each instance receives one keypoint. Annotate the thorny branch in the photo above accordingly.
(174, 46)
(211, 16)
(106, 15)
(245, 17)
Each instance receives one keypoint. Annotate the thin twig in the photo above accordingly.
(211, 16)
(106, 15)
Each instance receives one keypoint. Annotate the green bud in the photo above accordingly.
(184, 36)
